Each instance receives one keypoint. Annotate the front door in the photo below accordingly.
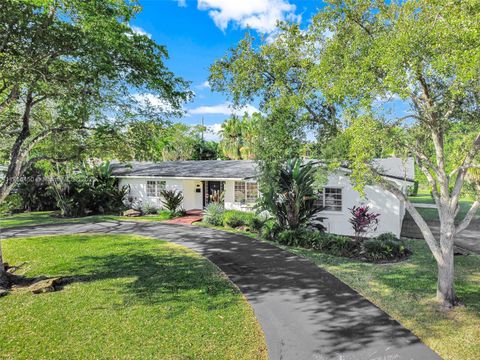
(213, 192)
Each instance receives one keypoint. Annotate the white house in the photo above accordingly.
(202, 182)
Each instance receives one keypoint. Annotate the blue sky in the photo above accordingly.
(197, 32)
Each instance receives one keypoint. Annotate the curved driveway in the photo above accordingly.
(305, 312)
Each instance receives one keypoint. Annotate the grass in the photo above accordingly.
(432, 214)
(406, 291)
(45, 217)
(134, 298)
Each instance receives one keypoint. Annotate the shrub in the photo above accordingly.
(296, 237)
(13, 204)
(377, 249)
(234, 218)
(363, 220)
(387, 236)
(213, 214)
(333, 244)
(172, 200)
(270, 230)
(290, 197)
(149, 209)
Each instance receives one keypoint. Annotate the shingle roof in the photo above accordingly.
(214, 169)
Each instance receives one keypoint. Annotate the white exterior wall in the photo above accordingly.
(391, 209)
(138, 189)
(380, 201)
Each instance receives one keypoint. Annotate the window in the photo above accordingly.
(154, 188)
(246, 192)
(240, 192)
(330, 199)
(252, 192)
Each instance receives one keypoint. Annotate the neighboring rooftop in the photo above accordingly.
(209, 169)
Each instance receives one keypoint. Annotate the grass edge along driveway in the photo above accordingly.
(135, 297)
(406, 291)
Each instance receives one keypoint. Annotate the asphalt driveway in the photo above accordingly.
(305, 312)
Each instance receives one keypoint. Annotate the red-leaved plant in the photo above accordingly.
(363, 220)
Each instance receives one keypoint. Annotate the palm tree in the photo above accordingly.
(231, 138)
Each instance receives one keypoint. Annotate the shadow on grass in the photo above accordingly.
(156, 279)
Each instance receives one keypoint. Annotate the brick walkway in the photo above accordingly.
(191, 217)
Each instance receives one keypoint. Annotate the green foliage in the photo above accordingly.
(87, 190)
(35, 192)
(384, 248)
(213, 214)
(291, 200)
(172, 200)
(85, 73)
(236, 218)
(12, 204)
(149, 209)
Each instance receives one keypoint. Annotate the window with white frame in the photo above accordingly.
(330, 199)
(245, 192)
(252, 192)
(154, 188)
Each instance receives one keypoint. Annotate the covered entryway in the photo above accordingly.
(214, 192)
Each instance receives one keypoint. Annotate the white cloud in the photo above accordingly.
(204, 85)
(213, 132)
(182, 3)
(138, 30)
(223, 109)
(261, 15)
(152, 100)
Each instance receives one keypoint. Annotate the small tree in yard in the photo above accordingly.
(292, 201)
(425, 53)
(172, 200)
(363, 221)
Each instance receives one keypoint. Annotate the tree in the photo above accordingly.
(70, 68)
(292, 203)
(427, 54)
(280, 75)
(231, 138)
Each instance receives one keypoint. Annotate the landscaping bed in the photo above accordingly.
(383, 248)
(133, 297)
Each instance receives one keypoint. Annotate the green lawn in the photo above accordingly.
(406, 291)
(134, 298)
(45, 217)
(432, 214)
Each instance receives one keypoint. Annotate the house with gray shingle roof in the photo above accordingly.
(234, 182)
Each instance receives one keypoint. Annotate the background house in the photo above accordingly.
(233, 182)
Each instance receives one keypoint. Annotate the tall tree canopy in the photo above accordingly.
(426, 53)
(279, 74)
(69, 68)
(356, 55)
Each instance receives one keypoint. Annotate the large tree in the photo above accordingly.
(426, 53)
(72, 67)
(279, 75)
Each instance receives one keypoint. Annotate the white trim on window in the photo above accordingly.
(245, 192)
(331, 199)
(155, 187)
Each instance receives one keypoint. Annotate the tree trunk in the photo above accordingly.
(4, 282)
(445, 281)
